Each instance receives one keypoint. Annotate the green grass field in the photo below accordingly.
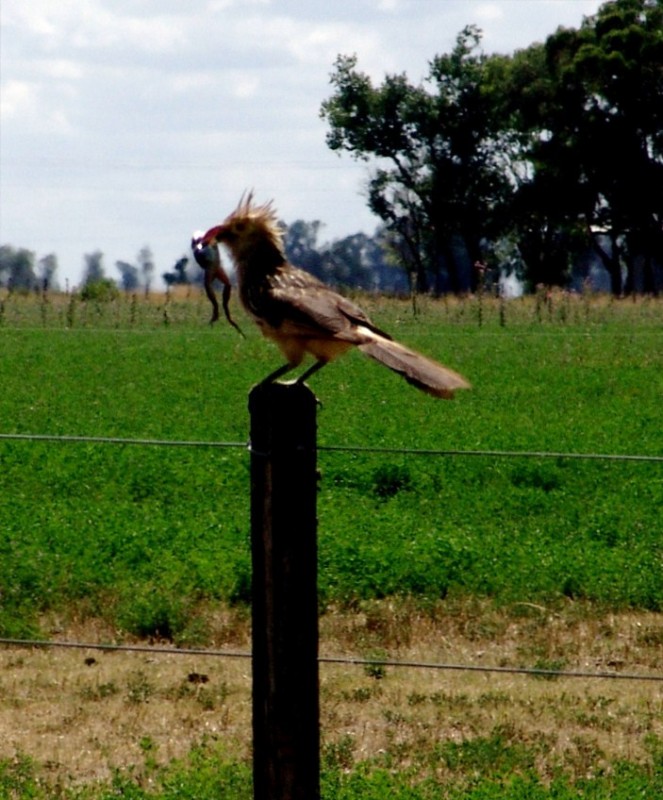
(145, 533)
(147, 537)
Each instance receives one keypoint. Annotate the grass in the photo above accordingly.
(85, 724)
(204, 775)
(542, 562)
(141, 535)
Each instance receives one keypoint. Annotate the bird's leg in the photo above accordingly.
(287, 367)
(277, 373)
(311, 371)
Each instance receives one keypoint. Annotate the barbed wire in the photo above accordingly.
(413, 451)
(344, 660)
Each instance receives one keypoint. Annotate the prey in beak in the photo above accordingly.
(208, 259)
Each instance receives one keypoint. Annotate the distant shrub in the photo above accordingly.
(151, 613)
(101, 291)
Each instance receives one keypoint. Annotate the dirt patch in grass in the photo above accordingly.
(82, 713)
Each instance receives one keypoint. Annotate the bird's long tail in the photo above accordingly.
(422, 372)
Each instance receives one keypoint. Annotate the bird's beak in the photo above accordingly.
(214, 235)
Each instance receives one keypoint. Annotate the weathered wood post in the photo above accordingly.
(286, 717)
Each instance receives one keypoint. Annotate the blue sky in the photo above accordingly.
(126, 123)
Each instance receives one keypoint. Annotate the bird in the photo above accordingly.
(303, 315)
(208, 258)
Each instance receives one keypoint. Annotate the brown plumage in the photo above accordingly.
(302, 315)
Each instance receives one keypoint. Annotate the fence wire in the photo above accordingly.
(47, 437)
(344, 660)
(412, 451)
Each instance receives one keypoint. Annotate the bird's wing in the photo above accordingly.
(318, 310)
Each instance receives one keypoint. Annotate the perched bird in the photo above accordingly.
(208, 259)
(302, 315)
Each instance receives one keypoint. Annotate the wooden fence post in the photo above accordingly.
(286, 716)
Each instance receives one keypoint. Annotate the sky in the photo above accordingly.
(132, 123)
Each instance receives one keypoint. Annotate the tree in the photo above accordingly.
(17, 266)
(351, 262)
(547, 199)
(300, 241)
(48, 266)
(356, 261)
(146, 266)
(618, 58)
(129, 279)
(591, 101)
(179, 275)
(93, 268)
(17, 269)
(440, 154)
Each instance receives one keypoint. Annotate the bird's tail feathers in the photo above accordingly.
(422, 372)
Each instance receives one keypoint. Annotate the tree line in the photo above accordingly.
(532, 161)
(357, 261)
(544, 164)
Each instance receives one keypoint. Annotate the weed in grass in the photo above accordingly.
(140, 688)
(416, 698)
(585, 755)
(498, 754)
(99, 692)
(360, 694)
(651, 635)
(339, 754)
(453, 701)
(376, 668)
(149, 750)
(493, 699)
(18, 778)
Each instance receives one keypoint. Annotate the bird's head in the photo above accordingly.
(248, 227)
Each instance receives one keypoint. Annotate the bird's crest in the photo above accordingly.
(257, 218)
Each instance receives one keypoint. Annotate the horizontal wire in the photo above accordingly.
(125, 648)
(480, 668)
(490, 453)
(345, 660)
(36, 437)
(45, 437)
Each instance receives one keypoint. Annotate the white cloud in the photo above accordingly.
(30, 106)
(62, 69)
(388, 5)
(91, 25)
(160, 197)
(245, 84)
(216, 6)
(18, 99)
(487, 12)
(319, 43)
(134, 121)
(194, 81)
